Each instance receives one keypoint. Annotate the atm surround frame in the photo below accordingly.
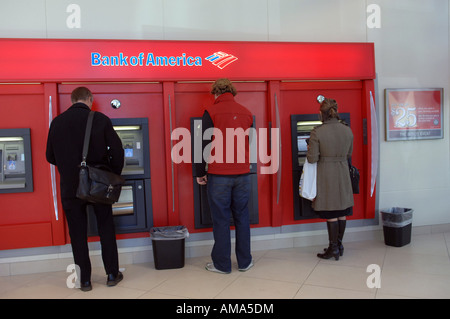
(143, 122)
(306, 212)
(25, 134)
(141, 185)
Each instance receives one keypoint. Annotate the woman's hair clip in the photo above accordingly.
(320, 98)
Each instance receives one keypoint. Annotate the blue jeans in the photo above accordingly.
(228, 197)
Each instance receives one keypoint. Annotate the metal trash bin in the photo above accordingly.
(397, 223)
(168, 246)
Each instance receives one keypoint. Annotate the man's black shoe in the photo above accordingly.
(114, 280)
(86, 286)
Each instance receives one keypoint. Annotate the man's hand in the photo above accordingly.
(202, 180)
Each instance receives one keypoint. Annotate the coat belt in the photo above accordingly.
(333, 159)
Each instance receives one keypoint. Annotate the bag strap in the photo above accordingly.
(87, 136)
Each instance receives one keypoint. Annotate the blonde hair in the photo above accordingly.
(329, 109)
(222, 86)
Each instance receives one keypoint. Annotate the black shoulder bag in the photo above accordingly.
(97, 184)
(354, 177)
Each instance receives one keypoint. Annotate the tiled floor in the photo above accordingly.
(418, 270)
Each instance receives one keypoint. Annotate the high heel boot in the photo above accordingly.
(342, 224)
(333, 249)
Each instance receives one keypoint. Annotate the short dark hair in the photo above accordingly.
(222, 86)
(80, 94)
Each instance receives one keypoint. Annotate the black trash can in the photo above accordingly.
(397, 222)
(168, 246)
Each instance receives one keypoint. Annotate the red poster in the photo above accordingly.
(414, 114)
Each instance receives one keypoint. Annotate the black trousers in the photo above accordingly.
(76, 215)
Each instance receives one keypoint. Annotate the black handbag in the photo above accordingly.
(97, 184)
(354, 177)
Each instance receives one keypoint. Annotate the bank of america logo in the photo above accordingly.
(221, 59)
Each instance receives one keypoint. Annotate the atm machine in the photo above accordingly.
(15, 161)
(133, 211)
(301, 127)
(202, 213)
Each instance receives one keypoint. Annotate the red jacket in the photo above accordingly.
(226, 114)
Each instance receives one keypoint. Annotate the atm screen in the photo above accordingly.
(133, 132)
(13, 172)
(301, 143)
(304, 129)
(128, 148)
(131, 137)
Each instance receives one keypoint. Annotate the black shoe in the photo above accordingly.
(114, 280)
(86, 286)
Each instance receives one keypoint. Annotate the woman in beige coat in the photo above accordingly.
(330, 146)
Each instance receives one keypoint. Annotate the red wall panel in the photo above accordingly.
(25, 235)
(23, 106)
(301, 98)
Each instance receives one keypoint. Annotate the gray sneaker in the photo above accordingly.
(210, 267)
(248, 267)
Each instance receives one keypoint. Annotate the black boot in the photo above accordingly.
(342, 224)
(333, 249)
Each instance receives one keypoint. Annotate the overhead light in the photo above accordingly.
(127, 128)
(11, 139)
(308, 123)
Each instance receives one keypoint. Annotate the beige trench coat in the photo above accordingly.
(330, 145)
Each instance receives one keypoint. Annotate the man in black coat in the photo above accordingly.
(64, 149)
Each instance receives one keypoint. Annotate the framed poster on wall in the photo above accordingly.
(414, 114)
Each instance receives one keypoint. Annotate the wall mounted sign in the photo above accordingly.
(140, 60)
(413, 114)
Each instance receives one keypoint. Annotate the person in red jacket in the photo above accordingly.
(227, 177)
